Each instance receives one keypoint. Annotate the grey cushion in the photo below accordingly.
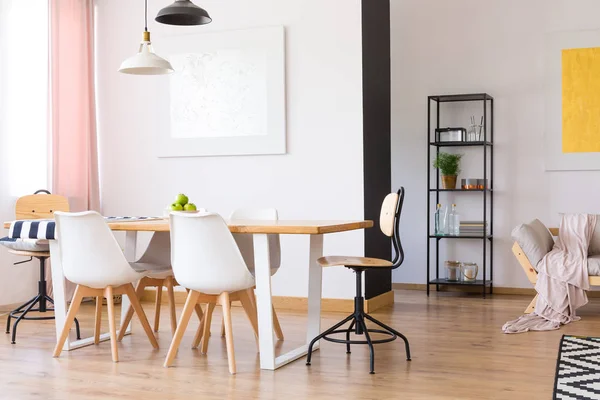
(594, 265)
(535, 240)
(152, 270)
(594, 248)
(25, 244)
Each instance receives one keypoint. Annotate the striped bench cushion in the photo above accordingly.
(44, 229)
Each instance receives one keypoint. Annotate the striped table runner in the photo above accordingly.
(44, 229)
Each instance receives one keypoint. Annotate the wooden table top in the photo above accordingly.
(299, 227)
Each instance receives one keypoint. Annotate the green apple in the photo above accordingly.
(181, 199)
(190, 207)
(176, 207)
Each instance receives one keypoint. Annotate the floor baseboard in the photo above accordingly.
(377, 302)
(295, 303)
(497, 289)
(465, 289)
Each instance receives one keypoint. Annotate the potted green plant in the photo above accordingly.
(449, 166)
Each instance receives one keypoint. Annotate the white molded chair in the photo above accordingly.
(206, 261)
(156, 262)
(245, 243)
(92, 259)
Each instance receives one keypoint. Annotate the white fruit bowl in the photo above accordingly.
(168, 210)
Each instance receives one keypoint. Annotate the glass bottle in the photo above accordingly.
(437, 218)
(450, 224)
(455, 221)
(444, 220)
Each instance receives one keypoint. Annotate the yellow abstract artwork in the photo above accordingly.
(581, 100)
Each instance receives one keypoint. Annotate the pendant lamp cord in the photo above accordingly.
(146, 15)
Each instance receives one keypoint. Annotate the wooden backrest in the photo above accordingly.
(553, 231)
(389, 221)
(388, 214)
(40, 206)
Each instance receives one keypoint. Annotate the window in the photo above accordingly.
(24, 101)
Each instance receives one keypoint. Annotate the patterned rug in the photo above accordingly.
(578, 368)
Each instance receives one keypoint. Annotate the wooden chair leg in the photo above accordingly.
(226, 305)
(250, 312)
(197, 308)
(135, 303)
(98, 320)
(223, 324)
(171, 295)
(199, 332)
(206, 327)
(75, 303)
(139, 291)
(531, 307)
(188, 308)
(199, 312)
(157, 303)
(277, 326)
(108, 293)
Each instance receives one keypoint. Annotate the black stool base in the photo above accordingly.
(40, 300)
(359, 327)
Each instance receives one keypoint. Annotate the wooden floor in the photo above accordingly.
(458, 352)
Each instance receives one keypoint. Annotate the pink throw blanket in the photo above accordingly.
(562, 278)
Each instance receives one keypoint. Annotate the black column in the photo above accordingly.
(376, 134)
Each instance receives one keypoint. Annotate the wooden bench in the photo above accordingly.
(532, 273)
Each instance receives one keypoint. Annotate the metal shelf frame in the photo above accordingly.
(488, 194)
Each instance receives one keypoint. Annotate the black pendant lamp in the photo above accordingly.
(183, 12)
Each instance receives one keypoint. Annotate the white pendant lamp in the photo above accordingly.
(146, 62)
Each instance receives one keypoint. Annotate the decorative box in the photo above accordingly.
(450, 135)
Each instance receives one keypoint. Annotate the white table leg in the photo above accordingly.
(264, 302)
(264, 305)
(130, 255)
(58, 289)
(315, 288)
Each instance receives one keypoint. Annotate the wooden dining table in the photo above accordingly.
(260, 230)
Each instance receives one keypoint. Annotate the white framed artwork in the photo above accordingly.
(572, 101)
(226, 96)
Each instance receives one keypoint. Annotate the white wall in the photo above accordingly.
(494, 46)
(320, 177)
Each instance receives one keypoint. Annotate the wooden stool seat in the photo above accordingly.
(362, 262)
(26, 253)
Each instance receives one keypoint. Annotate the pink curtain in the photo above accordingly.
(73, 116)
(74, 151)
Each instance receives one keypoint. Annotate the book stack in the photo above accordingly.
(473, 228)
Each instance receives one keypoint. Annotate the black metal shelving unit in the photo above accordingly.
(487, 144)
